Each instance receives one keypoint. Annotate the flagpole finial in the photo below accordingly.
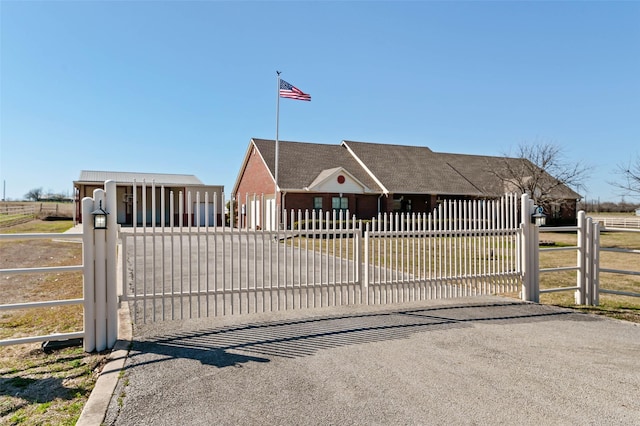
(278, 72)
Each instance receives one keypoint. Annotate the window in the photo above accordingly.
(317, 203)
(339, 203)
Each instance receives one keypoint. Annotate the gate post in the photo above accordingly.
(88, 284)
(581, 276)
(100, 281)
(112, 281)
(530, 253)
(595, 259)
(589, 262)
(592, 262)
(100, 277)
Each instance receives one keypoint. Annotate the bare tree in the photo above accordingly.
(630, 178)
(34, 195)
(541, 170)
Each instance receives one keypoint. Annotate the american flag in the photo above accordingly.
(291, 92)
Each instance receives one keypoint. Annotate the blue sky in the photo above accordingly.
(181, 87)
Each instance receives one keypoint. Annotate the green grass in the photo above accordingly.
(32, 393)
(39, 226)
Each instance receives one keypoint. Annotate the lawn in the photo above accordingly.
(38, 387)
(623, 307)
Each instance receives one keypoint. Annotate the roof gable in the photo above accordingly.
(337, 180)
(301, 163)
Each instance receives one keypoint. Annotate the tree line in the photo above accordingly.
(38, 194)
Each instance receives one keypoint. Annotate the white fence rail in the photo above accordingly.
(98, 267)
(42, 304)
(618, 271)
(588, 266)
(617, 222)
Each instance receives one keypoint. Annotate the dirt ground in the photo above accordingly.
(38, 387)
(39, 253)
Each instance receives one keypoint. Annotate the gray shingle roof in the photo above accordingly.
(301, 162)
(412, 169)
(400, 169)
(482, 170)
(93, 176)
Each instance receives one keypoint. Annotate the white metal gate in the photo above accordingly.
(462, 248)
(193, 268)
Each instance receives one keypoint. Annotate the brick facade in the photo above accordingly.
(364, 206)
(255, 179)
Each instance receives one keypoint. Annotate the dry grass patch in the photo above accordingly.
(37, 387)
(622, 307)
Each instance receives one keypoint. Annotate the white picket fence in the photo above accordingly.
(184, 270)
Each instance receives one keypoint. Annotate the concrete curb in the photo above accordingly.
(95, 409)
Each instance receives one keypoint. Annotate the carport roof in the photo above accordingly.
(94, 176)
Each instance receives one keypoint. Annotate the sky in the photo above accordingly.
(182, 86)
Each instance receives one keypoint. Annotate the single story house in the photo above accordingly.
(90, 180)
(368, 178)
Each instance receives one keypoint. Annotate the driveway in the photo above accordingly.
(483, 360)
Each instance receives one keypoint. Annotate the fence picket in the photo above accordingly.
(315, 259)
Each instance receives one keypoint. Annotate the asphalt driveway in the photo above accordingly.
(484, 360)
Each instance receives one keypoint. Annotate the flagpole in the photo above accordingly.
(275, 192)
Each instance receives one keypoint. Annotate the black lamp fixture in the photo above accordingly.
(538, 217)
(99, 217)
